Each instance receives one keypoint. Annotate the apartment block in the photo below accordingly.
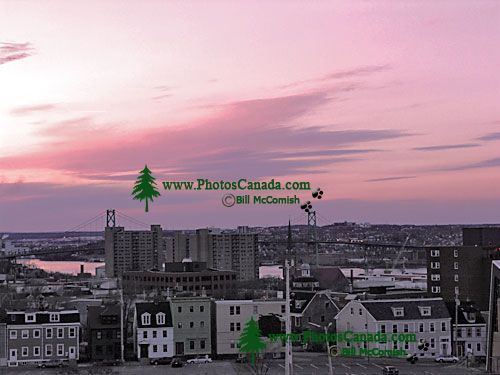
(462, 271)
(38, 336)
(127, 250)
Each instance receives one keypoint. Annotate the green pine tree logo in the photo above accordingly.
(250, 339)
(145, 187)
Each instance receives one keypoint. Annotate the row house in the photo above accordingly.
(104, 332)
(154, 334)
(192, 325)
(229, 319)
(35, 336)
(427, 318)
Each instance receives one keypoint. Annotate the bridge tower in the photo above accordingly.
(110, 218)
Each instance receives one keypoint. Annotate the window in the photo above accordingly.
(436, 289)
(398, 311)
(191, 324)
(407, 346)
(433, 343)
(431, 327)
(36, 351)
(322, 318)
(232, 345)
(146, 319)
(48, 350)
(36, 333)
(179, 309)
(455, 253)
(394, 328)
(202, 344)
(382, 328)
(283, 309)
(425, 311)
(13, 335)
(25, 334)
(54, 317)
(231, 326)
(237, 310)
(435, 265)
(202, 308)
(435, 277)
(165, 348)
(30, 318)
(191, 308)
(231, 310)
(48, 333)
(352, 311)
(478, 332)
(155, 348)
(179, 325)
(478, 346)
(469, 332)
(60, 333)
(443, 326)
(24, 351)
(145, 334)
(160, 318)
(154, 334)
(360, 311)
(434, 253)
(456, 278)
(60, 350)
(457, 290)
(405, 328)
(459, 332)
(164, 333)
(455, 265)
(202, 324)
(191, 345)
(238, 326)
(72, 332)
(421, 327)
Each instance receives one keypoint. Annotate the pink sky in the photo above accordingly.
(390, 107)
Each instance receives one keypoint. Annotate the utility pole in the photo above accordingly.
(311, 228)
(122, 334)
(288, 323)
(326, 328)
(457, 302)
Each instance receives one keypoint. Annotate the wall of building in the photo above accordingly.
(159, 342)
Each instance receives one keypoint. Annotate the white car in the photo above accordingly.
(198, 360)
(447, 359)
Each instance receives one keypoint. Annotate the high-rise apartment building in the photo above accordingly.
(222, 250)
(127, 250)
(463, 271)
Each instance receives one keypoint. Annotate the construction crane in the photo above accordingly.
(398, 257)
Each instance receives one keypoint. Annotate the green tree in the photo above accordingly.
(145, 187)
(250, 339)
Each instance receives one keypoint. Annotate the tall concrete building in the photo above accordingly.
(463, 271)
(127, 250)
(222, 250)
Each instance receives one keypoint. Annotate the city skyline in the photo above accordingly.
(391, 108)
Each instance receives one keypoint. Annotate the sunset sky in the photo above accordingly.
(391, 107)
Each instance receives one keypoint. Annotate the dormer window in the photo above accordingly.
(54, 317)
(425, 311)
(160, 318)
(30, 318)
(398, 311)
(146, 319)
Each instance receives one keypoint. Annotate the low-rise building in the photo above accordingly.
(192, 325)
(38, 336)
(230, 318)
(104, 332)
(312, 309)
(427, 319)
(3, 338)
(154, 333)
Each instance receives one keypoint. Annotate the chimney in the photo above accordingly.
(82, 269)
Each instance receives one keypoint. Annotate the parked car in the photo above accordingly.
(110, 362)
(177, 362)
(446, 359)
(242, 359)
(205, 359)
(161, 361)
(52, 363)
(390, 370)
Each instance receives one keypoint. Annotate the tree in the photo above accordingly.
(145, 187)
(250, 339)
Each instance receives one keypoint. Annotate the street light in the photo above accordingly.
(326, 328)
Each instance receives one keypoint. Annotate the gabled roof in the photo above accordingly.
(42, 317)
(465, 307)
(153, 308)
(96, 313)
(383, 309)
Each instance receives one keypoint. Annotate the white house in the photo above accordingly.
(154, 332)
(471, 330)
(427, 318)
